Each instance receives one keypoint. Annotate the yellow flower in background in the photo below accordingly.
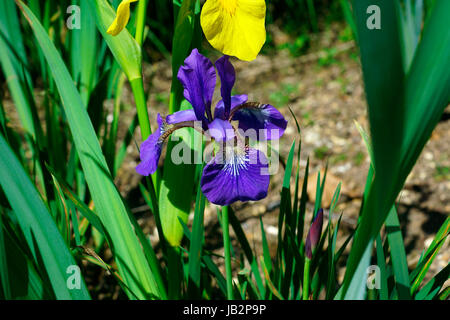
(122, 17)
(235, 27)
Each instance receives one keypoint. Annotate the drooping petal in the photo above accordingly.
(219, 111)
(198, 78)
(314, 234)
(241, 176)
(227, 76)
(221, 130)
(122, 17)
(261, 117)
(235, 27)
(151, 150)
(181, 116)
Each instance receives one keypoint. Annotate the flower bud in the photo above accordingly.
(314, 234)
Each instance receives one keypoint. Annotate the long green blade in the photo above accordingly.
(398, 255)
(128, 253)
(404, 107)
(38, 227)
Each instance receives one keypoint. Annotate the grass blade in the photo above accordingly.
(398, 255)
(196, 244)
(41, 233)
(109, 206)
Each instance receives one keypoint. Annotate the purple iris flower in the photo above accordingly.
(236, 172)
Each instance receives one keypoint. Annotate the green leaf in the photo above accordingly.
(42, 236)
(80, 205)
(4, 272)
(381, 262)
(24, 280)
(12, 54)
(427, 259)
(85, 58)
(302, 207)
(410, 29)
(427, 86)
(286, 218)
(404, 107)
(346, 9)
(432, 288)
(265, 245)
(125, 49)
(240, 235)
(197, 238)
(112, 212)
(384, 83)
(398, 255)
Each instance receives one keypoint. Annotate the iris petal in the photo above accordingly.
(151, 150)
(198, 78)
(181, 116)
(241, 177)
(235, 27)
(221, 130)
(227, 76)
(122, 17)
(261, 117)
(219, 111)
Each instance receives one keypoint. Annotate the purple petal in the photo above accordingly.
(198, 78)
(221, 130)
(219, 111)
(262, 117)
(181, 116)
(227, 76)
(314, 234)
(241, 177)
(151, 150)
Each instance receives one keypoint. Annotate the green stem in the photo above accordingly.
(137, 86)
(306, 279)
(110, 152)
(140, 24)
(227, 247)
(175, 270)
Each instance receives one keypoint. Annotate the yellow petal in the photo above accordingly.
(122, 17)
(235, 27)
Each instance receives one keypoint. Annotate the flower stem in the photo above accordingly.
(137, 86)
(227, 246)
(140, 24)
(110, 148)
(306, 279)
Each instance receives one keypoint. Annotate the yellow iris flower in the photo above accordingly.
(235, 27)
(122, 17)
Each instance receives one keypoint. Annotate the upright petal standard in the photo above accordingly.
(198, 78)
